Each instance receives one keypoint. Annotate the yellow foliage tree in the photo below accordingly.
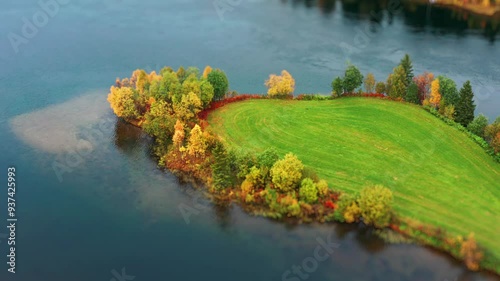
(352, 213)
(154, 77)
(206, 71)
(197, 143)
(369, 83)
(122, 102)
(286, 173)
(139, 79)
(471, 253)
(188, 107)
(179, 133)
(280, 85)
(435, 97)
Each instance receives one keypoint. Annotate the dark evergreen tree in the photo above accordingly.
(464, 111)
(408, 68)
(412, 94)
(221, 169)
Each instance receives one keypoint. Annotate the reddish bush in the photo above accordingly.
(218, 104)
(330, 204)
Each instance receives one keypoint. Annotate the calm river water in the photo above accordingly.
(108, 213)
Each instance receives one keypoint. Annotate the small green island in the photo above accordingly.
(406, 156)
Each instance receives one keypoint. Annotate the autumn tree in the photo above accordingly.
(122, 102)
(471, 253)
(369, 83)
(423, 82)
(492, 134)
(398, 83)
(280, 85)
(407, 66)
(197, 143)
(380, 87)
(179, 134)
(435, 97)
(219, 82)
(376, 205)
(189, 106)
(140, 80)
(412, 93)
(448, 90)
(206, 71)
(465, 107)
(337, 87)
(353, 79)
(388, 84)
(287, 172)
(308, 191)
(159, 121)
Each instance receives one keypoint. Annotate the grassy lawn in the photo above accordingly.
(438, 175)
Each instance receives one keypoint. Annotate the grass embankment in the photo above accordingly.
(437, 174)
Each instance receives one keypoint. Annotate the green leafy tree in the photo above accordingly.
(448, 90)
(193, 71)
(412, 94)
(398, 83)
(380, 87)
(407, 66)
(166, 69)
(353, 79)
(287, 172)
(221, 168)
(220, 83)
(267, 158)
(191, 85)
(169, 87)
(207, 93)
(337, 87)
(478, 125)
(464, 111)
(369, 83)
(376, 205)
(308, 191)
(181, 74)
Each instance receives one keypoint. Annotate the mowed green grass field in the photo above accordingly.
(437, 174)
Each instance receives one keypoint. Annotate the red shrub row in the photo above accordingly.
(218, 104)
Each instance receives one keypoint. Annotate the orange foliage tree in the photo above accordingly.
(435, 97)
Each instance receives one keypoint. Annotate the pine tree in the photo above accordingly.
(221, 169)
(465, 107)
(412, 94)
(408, 68)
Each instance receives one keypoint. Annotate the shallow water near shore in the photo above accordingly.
(91, 200)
